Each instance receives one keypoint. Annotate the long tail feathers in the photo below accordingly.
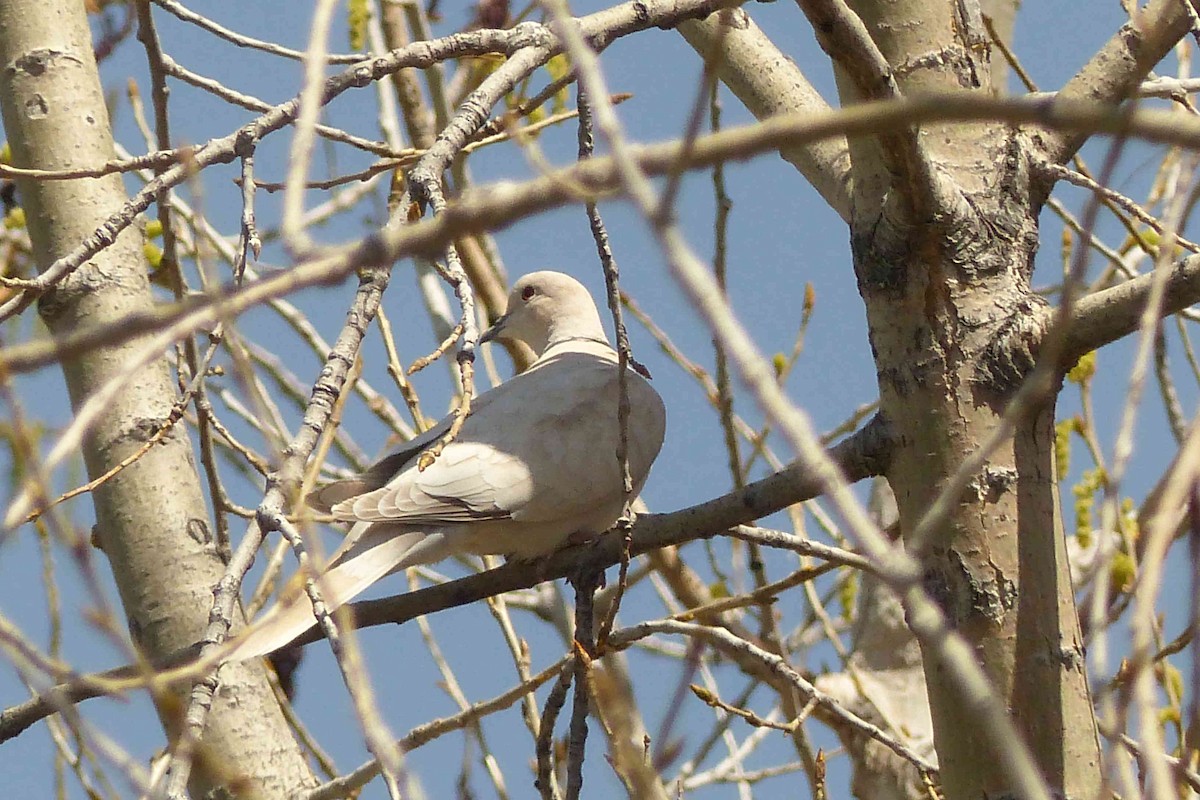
(366, 556)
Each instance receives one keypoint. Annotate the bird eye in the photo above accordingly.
(528, 292)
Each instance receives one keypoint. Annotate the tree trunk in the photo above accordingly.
(152, 521)
(943, 233)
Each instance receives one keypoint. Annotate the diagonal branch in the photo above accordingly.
(843, 35)
(1115, 72)
(497, 205)
(1103, 317)
(601, 28)
(769, 83)
(863, 454)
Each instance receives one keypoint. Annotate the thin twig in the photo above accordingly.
(423, 734)
(584, 647)
(546, 782)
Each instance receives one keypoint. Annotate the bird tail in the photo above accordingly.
(368, 554)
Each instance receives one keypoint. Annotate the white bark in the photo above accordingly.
(152, 521)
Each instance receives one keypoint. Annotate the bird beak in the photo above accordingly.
(493, 333)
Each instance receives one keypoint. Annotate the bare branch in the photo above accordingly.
(601, 28)
(1115, 72)
(240, 40)
(846, 40)
(780, 667)
(348, 783)
(1106, 316)
(498, 205)
(769, 83)
(862, 455)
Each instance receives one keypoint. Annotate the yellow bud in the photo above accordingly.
(848, 595)
(153, 255)
(779, 362)
(359, 14)
(1062, 447)
(1172, 679)
(1122, 571)
(1084, 369)
(558, 67)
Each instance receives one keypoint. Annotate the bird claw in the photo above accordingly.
(541, 563)
(581, 537)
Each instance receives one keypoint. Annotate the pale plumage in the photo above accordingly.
(534, 464)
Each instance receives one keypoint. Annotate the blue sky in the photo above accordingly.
(781, 237)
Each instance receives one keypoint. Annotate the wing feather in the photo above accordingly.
(545, 450)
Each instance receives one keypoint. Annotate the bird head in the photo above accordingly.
(545, 308)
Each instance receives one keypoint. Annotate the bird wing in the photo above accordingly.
(541, 448)
(381, 472)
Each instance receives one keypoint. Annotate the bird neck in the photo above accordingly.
(595, 345)
(578, 327)
(601, 340)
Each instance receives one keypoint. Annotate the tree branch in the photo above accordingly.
(769, 83)
(601, 28)
(863, 454)
(844, 37)
(1115, 72)
(498, 205)
(1103, 317)
(152, 522)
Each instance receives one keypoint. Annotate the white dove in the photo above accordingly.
(534, 465)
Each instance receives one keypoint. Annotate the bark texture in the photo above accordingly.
(943, 234)
(152, 522)
(943, 225)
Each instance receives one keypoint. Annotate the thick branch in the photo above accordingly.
(846, 40)
(152, 522)
(1114, 73)
(498, 205)
(769, 83)
(863, 454)
(1103, 317)
(869, 76)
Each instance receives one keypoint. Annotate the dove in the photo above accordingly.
(534, 466)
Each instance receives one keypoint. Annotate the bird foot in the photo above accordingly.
(541, 563)
(580, 537)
